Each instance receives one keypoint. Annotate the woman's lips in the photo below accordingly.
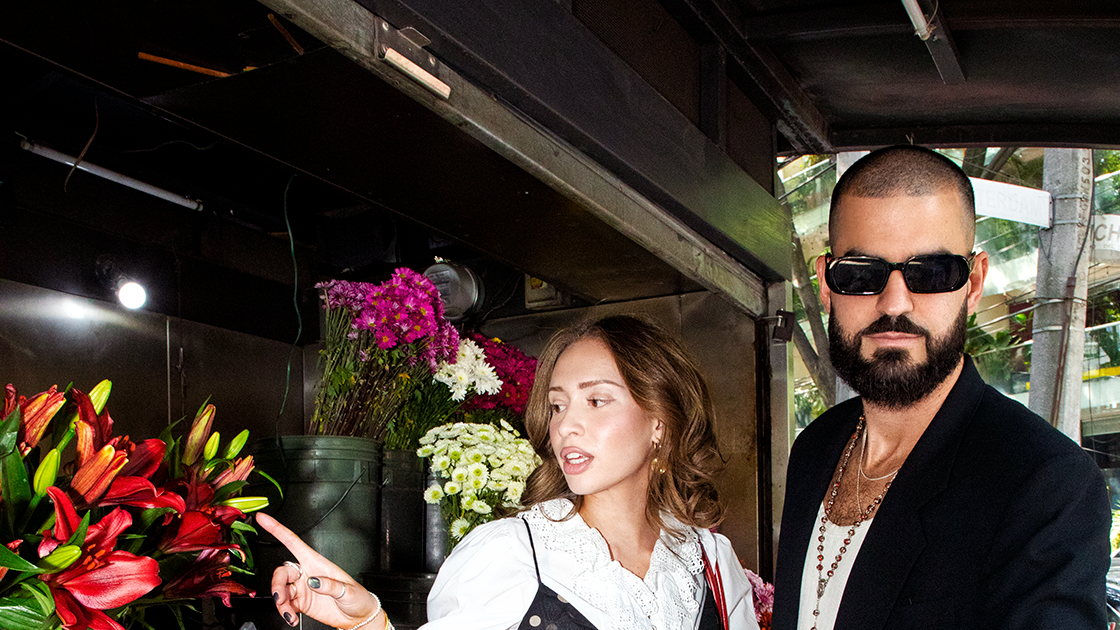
(574, 461)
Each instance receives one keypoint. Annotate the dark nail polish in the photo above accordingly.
(276, 597)
(288, 618)
(313, 582)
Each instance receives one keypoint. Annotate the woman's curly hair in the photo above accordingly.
(666, 383)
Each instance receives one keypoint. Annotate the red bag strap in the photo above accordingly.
(715, 582)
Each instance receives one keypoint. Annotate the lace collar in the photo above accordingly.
(668, 597)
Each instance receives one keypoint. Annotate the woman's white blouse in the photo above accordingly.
(489, 580)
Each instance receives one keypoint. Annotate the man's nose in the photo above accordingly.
(896, 298)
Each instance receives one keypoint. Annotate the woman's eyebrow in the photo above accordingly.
(586, 384)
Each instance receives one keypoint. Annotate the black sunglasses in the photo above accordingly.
(866, 275)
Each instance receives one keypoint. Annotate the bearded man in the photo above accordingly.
(931, 500)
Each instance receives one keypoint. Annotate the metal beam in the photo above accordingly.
(830, 23)
(350, 28)
(942, 48)
(1088, 135)
(799, 119)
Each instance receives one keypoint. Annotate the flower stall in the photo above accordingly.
(100, 531)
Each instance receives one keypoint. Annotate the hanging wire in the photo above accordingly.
(288, 375)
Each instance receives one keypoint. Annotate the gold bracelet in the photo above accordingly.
(376, 612)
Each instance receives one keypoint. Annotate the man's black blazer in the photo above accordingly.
(996, 520)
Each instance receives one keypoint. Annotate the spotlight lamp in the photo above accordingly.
(130, 292)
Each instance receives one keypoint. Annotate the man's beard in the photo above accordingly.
(888, 379)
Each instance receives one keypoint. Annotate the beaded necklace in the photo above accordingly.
(823, 576)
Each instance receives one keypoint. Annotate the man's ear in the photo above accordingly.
(825, 293)
(976, 280)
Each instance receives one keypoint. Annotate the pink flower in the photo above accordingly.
(386, 340)
(514, 368)
(763, 594)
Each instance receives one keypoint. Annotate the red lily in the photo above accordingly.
(139, 492)
(199, 495)
(143, 458)
(196, 532)
(102, 577)
(207, 577)
(36, 415)
(131, 485)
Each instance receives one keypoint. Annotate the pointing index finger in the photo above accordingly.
(287, 537)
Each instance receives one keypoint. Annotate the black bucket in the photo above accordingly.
(331, 500)
(402, 512)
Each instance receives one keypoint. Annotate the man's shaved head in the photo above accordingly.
(905, 170)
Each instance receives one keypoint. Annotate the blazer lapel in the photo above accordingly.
(897, 538)
(805, 492)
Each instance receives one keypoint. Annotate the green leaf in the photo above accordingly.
(11, 560)
(243, 526)
(150, 515)
(42, 594)
(9, 431)
(20, 613)
(15, 488)
(79, 536)
(266, 476)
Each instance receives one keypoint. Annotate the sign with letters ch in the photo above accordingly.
(1106, 237)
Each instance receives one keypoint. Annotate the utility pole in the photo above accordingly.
(1059, 319)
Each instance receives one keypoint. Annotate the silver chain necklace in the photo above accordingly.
(823, 577)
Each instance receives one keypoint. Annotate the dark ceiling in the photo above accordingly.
(367, 179)
(842, 75)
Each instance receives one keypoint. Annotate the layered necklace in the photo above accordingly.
(823, 575)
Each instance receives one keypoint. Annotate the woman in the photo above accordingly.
(614, 534)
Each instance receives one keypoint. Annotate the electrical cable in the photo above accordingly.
(295, 304)
(1063, 343)
(170, 142)
(288, 374)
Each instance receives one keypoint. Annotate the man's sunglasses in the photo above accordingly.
(866, 275)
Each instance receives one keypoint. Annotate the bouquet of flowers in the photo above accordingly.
(516, 371)
(482, 467)
(382, 342)
(763, 594)
(124, 527)
(432, 403)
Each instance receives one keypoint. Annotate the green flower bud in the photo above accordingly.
(247, 504)
(237, 444)
(47, 472)
(211, 448)
(62, 557)
(99, 395)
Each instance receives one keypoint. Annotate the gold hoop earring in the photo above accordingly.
(656, 464)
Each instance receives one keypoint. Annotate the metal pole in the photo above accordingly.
(1063, 261)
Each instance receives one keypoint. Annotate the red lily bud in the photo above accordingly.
(94, 477)
(200, 433)
(37, 413)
